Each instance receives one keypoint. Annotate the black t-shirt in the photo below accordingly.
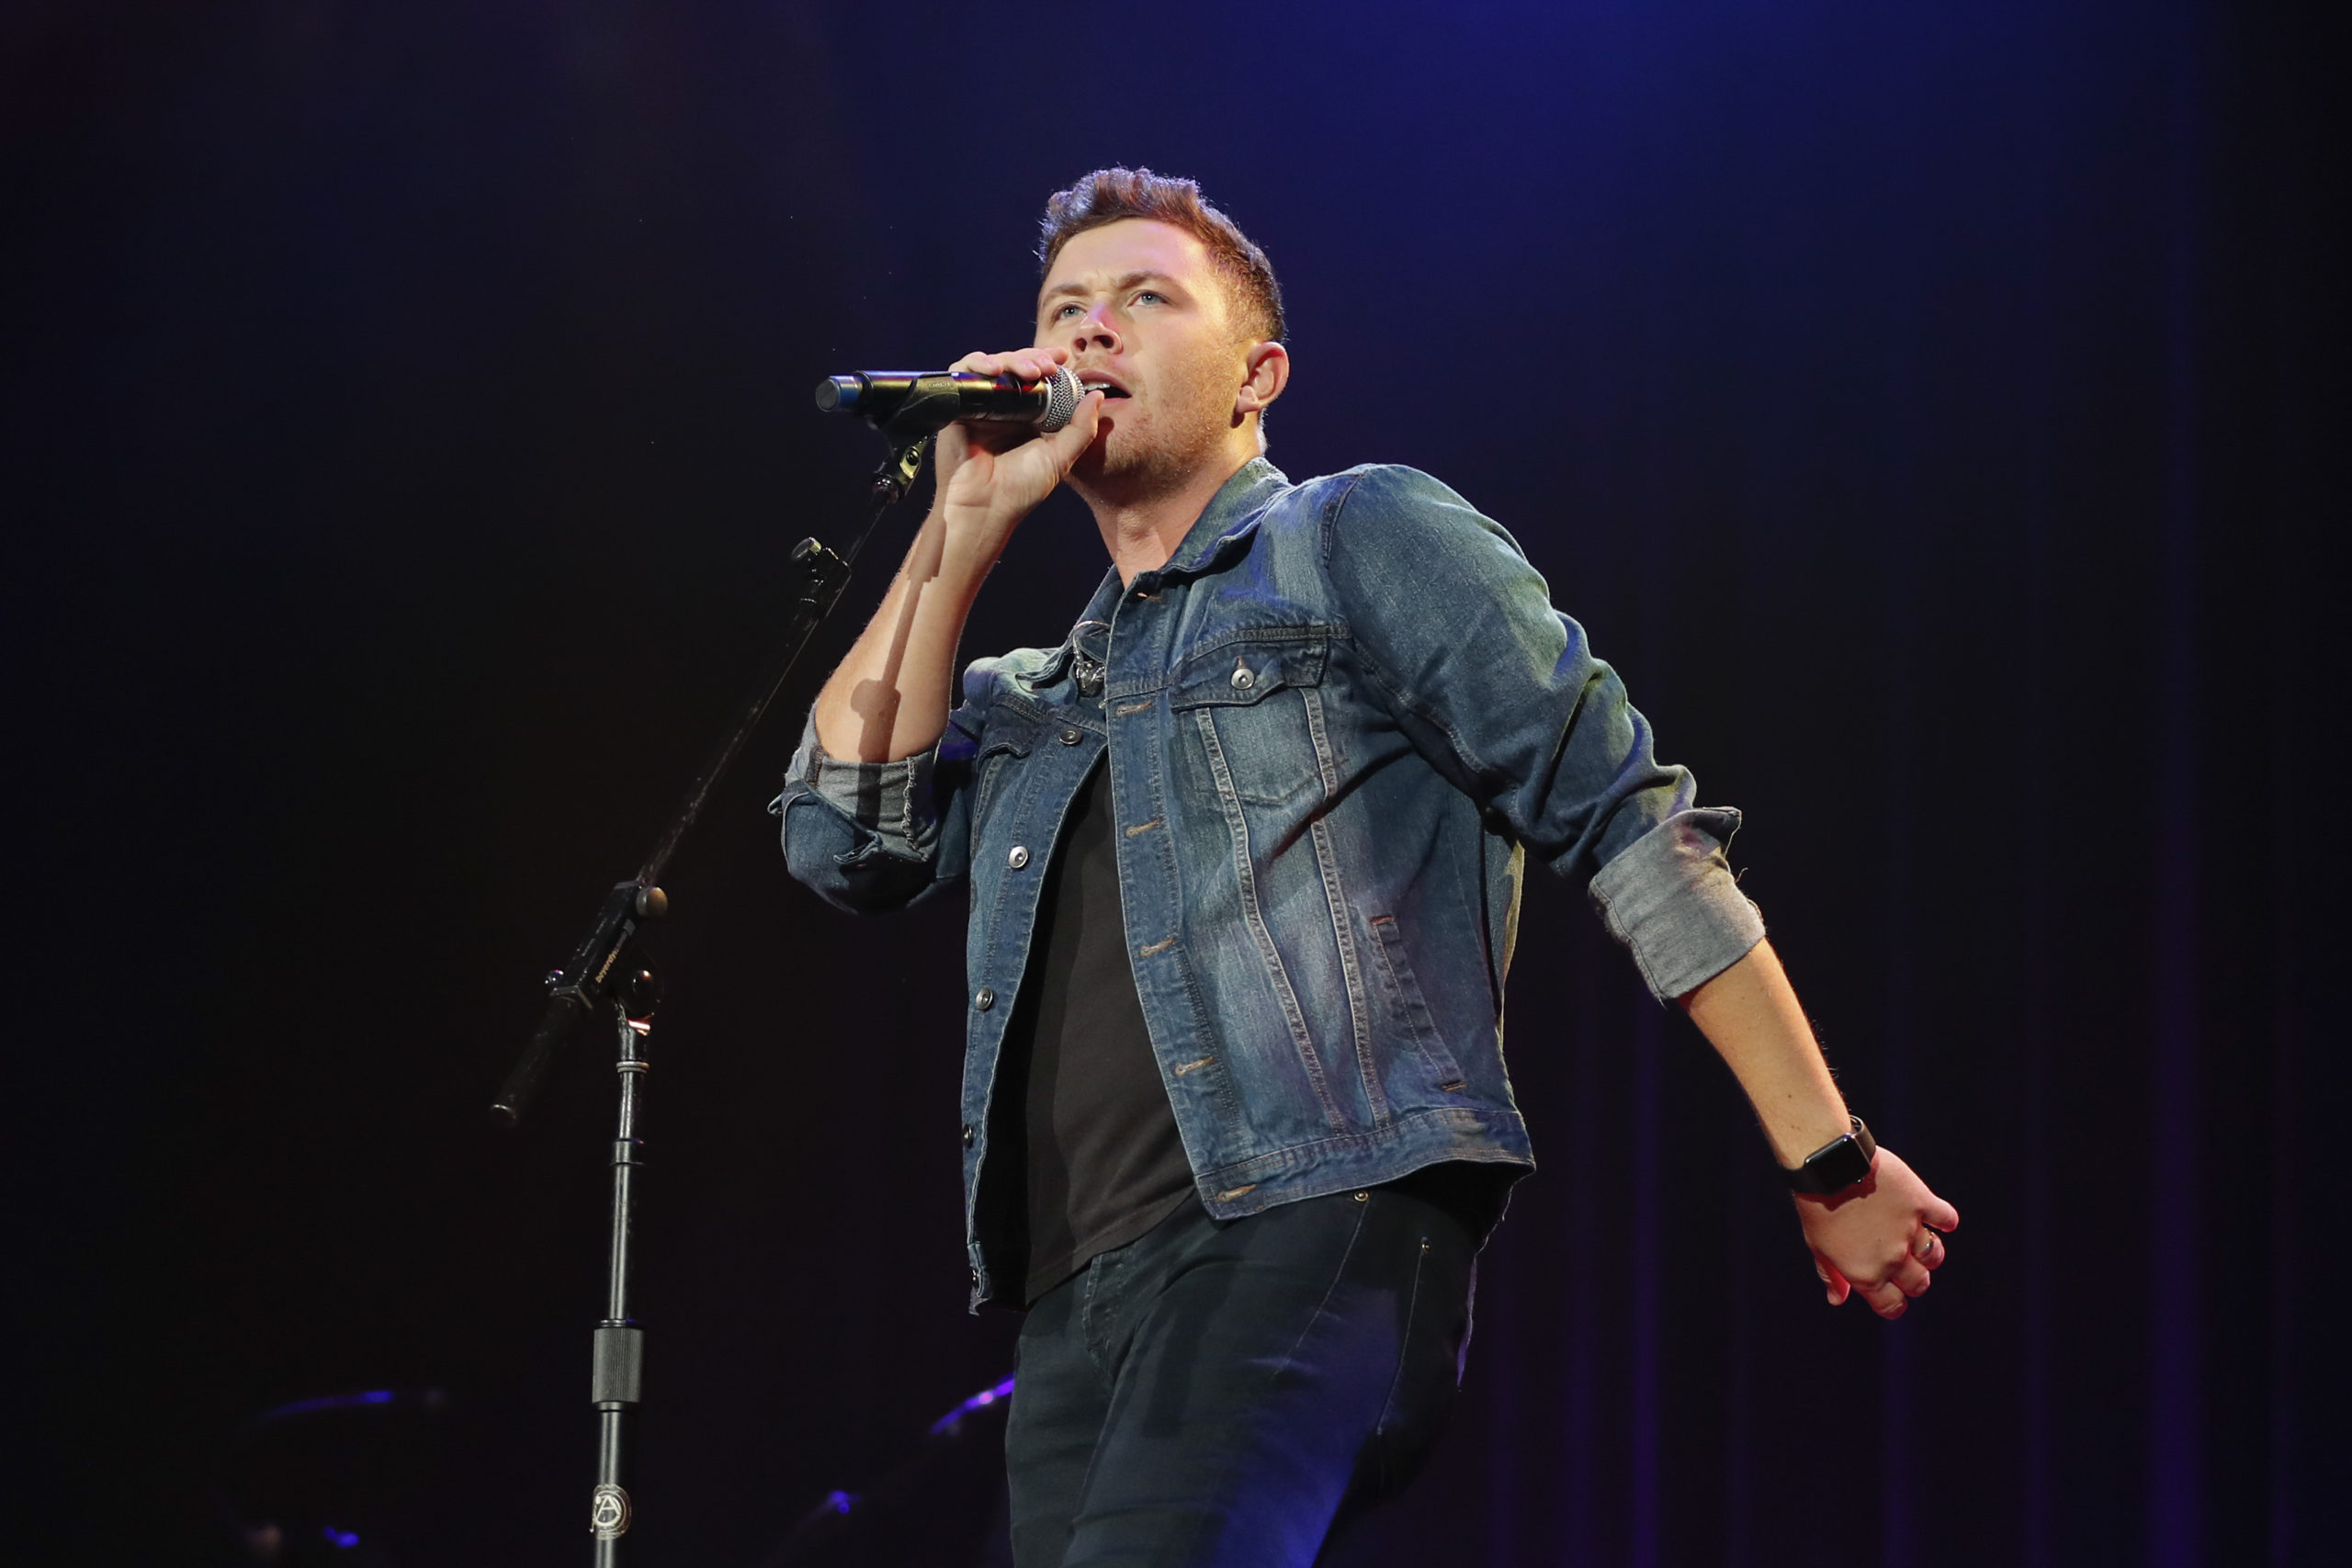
(1102, 1161)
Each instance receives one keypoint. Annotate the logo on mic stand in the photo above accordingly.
(608, 1513)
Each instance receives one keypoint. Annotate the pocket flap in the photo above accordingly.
(1010, 731)
(1239, 671)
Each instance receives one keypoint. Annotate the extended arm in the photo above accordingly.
(1879, 1237)
(1504, 697)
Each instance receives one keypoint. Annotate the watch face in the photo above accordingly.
(1833, 1170)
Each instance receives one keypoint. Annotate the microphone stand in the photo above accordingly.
(609, 973)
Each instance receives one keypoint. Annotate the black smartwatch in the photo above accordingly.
(1836, 1164)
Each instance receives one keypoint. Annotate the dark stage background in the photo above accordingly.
(1936, 412)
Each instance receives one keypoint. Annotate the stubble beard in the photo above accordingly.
(1190, 424)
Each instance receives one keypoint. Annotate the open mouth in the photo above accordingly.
(1108, 388)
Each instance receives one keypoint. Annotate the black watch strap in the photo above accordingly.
(1836, 1164)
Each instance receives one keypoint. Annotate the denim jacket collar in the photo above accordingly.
(1231, 517)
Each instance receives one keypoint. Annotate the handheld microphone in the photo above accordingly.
(916, 403)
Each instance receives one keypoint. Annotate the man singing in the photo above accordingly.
(1244, 856)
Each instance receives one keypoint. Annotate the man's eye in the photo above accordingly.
(1153, 295)
(1061, 313)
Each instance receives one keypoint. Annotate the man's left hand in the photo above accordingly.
(1880, 1238)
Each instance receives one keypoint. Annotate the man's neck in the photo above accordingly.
(1142, 531)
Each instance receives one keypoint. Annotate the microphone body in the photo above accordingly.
(916, 403)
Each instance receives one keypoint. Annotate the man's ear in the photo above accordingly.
(1268, 372)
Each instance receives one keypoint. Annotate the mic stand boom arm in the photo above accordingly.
(608, 972)
(584, 984)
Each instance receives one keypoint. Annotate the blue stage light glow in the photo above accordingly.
(343, 1540)
(979, 1401)
(325, 1402)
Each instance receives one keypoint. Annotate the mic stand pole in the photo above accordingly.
(609, 973)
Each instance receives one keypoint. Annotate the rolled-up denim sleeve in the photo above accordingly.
(1670, 898)
(892, 800)
(865, 836)
(1504, 695)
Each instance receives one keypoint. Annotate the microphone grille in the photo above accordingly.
(1062, 394)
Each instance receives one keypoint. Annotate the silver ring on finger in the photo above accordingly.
(1927, 1248)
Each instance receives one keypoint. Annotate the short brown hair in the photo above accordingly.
(1109, 196)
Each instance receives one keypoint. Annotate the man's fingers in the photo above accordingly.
(1929, 1249)
(1028, 364)
(1835, 1282)
(1911, 1276)
(1943, 1217)
(1886, 1300)
(980, 364)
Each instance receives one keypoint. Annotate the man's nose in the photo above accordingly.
(1096, 329)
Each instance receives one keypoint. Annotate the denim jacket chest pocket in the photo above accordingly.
(1252, 708)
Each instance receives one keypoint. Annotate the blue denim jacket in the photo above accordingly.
(1338, 721)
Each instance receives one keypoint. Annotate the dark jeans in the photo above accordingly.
(1229, 1392)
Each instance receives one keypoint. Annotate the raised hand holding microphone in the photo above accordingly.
(889, 697)
(990, 476)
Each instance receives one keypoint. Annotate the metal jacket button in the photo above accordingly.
(1070, 736)
(1242, 679)
(984, 998)
(1019, 857)
(967, 1134)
